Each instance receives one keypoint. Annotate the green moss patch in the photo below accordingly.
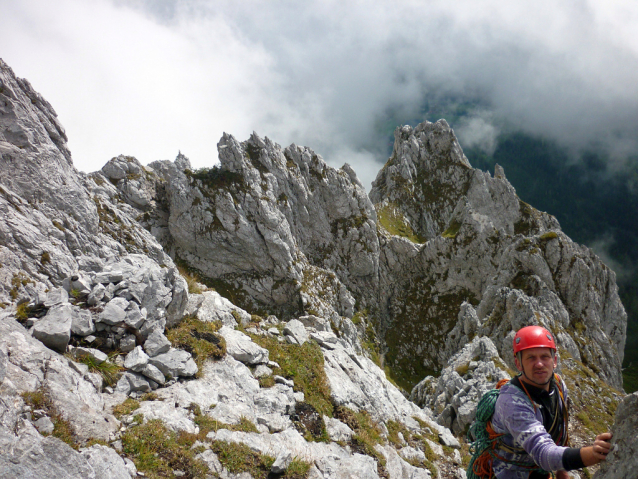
(452, 230)
(192, 280)
(215, 178)
(391, 218)
(421, 318)
(367, 432)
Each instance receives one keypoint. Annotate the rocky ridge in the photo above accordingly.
(430, 273)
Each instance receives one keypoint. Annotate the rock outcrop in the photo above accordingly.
(622, 461)
(307, 290)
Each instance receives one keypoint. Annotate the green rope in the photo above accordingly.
(478, 431)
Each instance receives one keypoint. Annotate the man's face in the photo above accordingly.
(537, 364)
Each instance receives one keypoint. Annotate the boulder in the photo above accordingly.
(136, 360)
(114, 312)
(82, 323)
(337, 431)
(95, 354)
(153, 373)
(56, 296)
(156, 343)
(54, 329)
(175, 363)
(242, 348)
(282, 462)
(296, 329)
(106, 463)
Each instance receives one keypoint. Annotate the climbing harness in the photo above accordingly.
(487, 442)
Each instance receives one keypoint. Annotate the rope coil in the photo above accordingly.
(485, 444)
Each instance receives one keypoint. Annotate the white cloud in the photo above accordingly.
(151, 77)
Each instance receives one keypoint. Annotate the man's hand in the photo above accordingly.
(562, 475)
(598, 452)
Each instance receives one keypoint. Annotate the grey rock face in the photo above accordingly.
(281, 463)
(213, 307)
(622, 461)
(44, 425)
(295, 216)
(337, 431)
(242, 348)
(136, 360)
(106, 463)
(296, 329)
(82, 323)
(467, 237)
(453, 396)
(175, 363)
(156, 344)
(54, 329)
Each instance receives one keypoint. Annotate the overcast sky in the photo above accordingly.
(151, 77)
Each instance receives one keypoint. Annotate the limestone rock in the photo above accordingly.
(622, 461)
(281, 463)
(398, 468)
(95, 354)
(106, 463)
(242, 348)
(156, 343)
(114, 312)
(136, 360)
(296, 329)
(454, 395)
(337, 431)
(44, 425)
(153, 373)
(54, 329)
(175, 363)
(214, 307)
(82, 323)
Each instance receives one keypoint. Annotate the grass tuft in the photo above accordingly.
(127, 407)
(157, 451)
(198, 338)
(304, 365)
(193, 281)
(40, 399)
(109, 371)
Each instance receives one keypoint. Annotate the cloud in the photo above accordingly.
(602, 246)
(477, 130)
(149, 78)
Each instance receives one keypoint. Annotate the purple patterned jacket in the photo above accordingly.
(514, 415)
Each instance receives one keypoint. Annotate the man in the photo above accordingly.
(531, 413)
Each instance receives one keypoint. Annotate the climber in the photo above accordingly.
(532, 414)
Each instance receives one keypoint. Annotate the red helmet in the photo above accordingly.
(533, 337)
